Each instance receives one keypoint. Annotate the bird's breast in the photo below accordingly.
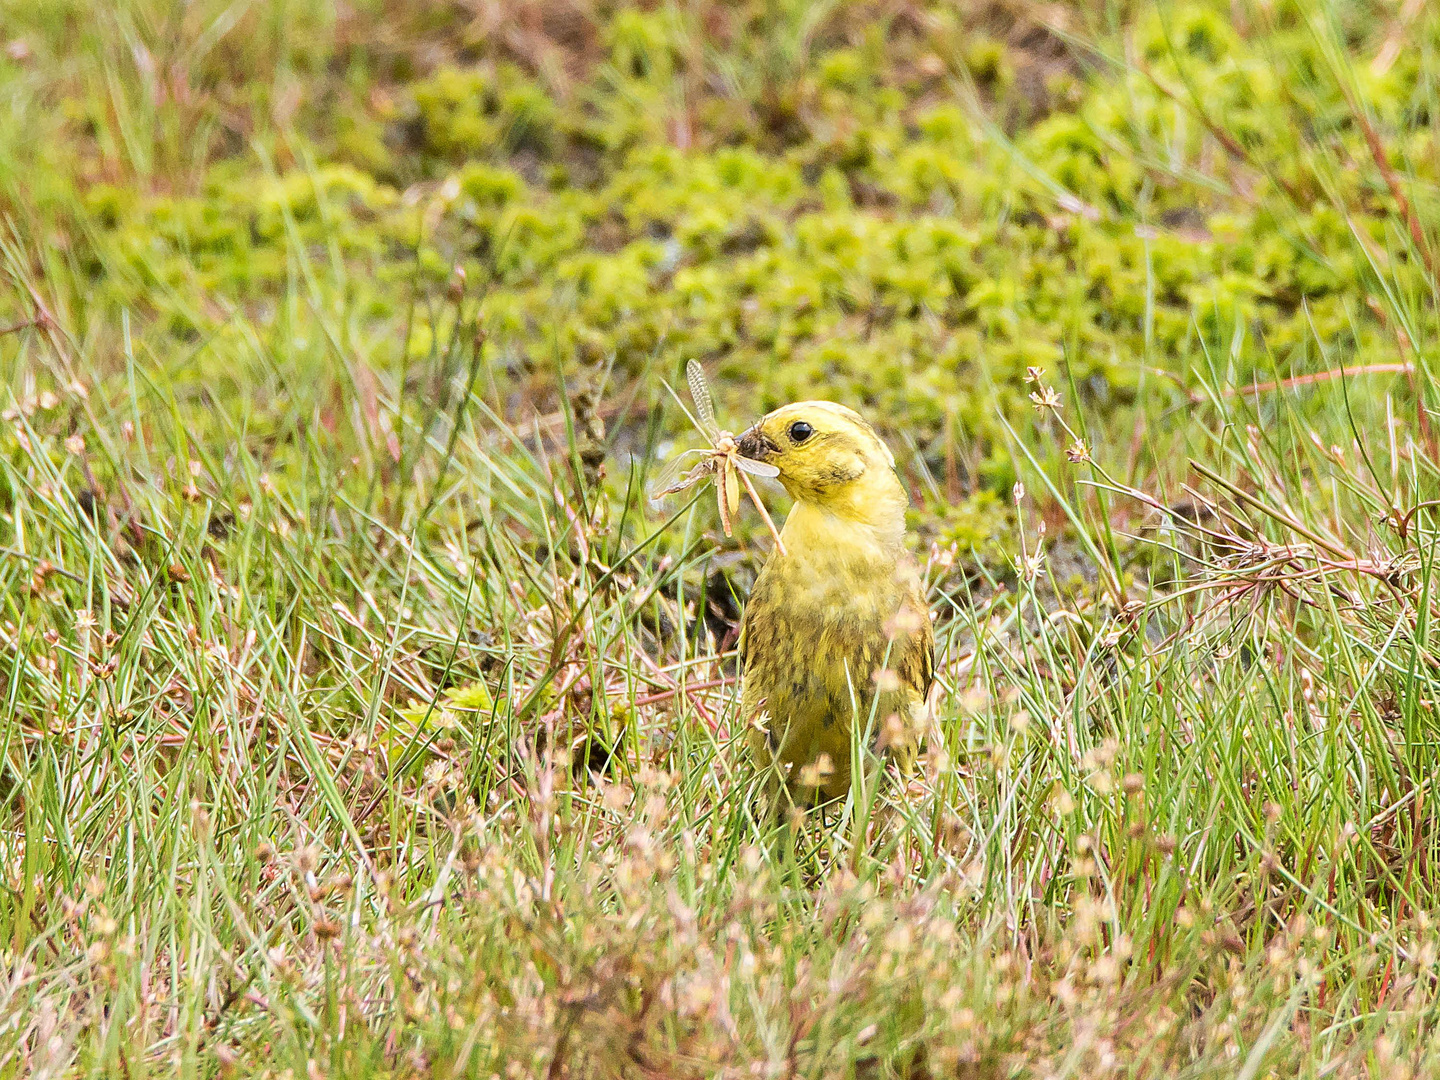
(828, 620)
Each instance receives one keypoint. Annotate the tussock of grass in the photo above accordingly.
(359, 716)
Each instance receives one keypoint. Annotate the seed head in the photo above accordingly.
(1045, 398)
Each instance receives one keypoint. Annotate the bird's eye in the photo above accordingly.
(800, 431)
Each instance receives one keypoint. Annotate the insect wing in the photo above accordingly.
(673, 478)
(700, 393)
(756, 468)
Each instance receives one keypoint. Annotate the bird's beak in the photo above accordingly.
(755, 444)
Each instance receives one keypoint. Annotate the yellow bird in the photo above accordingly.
(837, 615)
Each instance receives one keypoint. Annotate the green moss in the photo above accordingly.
(814, 215)
(640, 44)
(978, 527)
(407, 740)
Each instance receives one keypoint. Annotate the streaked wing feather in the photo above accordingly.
(917, 660)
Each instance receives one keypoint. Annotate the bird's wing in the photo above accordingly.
(740, 641)
(916, 666)
(754, 608)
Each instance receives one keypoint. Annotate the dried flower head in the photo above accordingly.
(1045, 398)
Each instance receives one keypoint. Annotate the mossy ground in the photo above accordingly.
(361, 716)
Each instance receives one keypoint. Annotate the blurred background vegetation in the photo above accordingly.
(897, 205)
(361, 716)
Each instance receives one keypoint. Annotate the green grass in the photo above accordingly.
(361, 717)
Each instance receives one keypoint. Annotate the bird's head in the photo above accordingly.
(829, 457)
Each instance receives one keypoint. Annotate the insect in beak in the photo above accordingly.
(725, 461)
(755, 445)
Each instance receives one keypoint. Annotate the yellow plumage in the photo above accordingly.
(839, 617)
